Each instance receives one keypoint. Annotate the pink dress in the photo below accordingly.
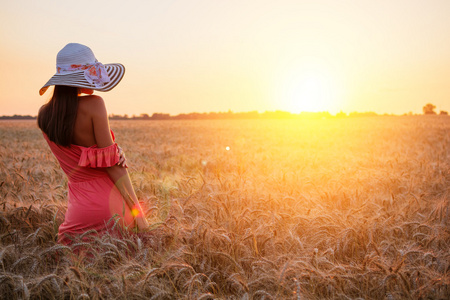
(93, 198)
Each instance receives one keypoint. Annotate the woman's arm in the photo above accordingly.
(122, 181)
(118, 174)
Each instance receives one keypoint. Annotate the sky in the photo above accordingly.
(202, 56)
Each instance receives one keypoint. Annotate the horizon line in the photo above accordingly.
(243, 114)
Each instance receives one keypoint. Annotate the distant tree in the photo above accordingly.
(443, 112)
(160, 116)
(341, 114)
(429, 109)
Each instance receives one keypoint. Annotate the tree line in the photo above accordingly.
(428, 109)
(241, 115)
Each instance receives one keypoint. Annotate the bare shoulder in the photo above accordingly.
(93, 104)
(91, 101)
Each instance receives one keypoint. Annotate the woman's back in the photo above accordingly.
(83, 133)
(84, 150)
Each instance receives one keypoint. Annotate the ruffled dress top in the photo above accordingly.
(93, 199)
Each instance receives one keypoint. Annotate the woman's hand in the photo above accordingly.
(122, 159)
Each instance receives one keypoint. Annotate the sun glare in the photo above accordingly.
(310, 88)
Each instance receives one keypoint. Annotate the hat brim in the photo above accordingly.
(77, 79)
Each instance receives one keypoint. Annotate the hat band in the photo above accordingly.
(94, 73)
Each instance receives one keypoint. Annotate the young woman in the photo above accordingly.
(77, 130)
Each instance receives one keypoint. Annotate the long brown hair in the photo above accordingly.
(57, 118)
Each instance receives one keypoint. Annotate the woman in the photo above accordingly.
(77, 130)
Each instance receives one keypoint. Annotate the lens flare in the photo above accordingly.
(135, 212)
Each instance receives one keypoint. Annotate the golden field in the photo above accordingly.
(292, 209)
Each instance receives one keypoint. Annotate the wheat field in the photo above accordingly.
(353, 208)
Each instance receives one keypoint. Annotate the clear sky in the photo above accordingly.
(201, 56)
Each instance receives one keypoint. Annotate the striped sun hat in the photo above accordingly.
(77, 66)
